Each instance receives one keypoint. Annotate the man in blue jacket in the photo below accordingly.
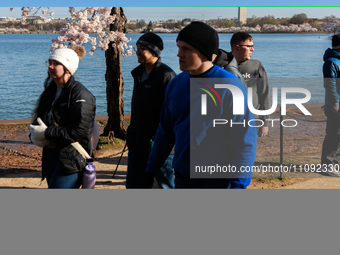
(331, 74)
(199, 143)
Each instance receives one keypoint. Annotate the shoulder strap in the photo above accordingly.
(81, 150)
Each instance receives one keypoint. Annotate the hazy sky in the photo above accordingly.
(138, 3)
(178, 13)
(153, 10)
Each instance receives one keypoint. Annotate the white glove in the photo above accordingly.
(38, 134)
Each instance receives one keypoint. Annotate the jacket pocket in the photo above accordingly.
(71, 161)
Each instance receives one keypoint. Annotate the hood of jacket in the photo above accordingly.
(224, 58)
(329, 53)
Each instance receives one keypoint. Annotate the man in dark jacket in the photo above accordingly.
(150, 80)
(331, 74)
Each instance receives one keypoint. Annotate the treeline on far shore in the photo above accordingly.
(30, 32)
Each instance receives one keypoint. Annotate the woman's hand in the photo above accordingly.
(38, 134)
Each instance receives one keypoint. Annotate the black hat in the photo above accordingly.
(336, 42)
(152, 41)
(200, 36)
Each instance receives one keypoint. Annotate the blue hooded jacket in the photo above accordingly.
(331, 73)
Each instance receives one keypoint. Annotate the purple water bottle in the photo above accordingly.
(89, 176)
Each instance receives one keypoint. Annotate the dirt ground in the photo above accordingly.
(20, 163)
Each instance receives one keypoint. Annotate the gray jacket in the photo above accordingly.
(255, 76)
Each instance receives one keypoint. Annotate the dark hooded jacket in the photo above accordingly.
(227, 61)
(331, 74)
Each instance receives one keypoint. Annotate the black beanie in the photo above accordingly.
(200, 36)
(152, 41)
(336, 42)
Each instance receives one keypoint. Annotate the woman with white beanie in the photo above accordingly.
(64, 114)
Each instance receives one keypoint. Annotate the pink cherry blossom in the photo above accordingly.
(91, 20)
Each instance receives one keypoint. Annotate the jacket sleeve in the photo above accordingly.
(263, 92)
(78, 124)
(330, 74)
(169, 75)
(163, 143)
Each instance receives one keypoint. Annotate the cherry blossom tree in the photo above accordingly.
(332, 26)
(114, 42)
(92, 20)
(25, 11)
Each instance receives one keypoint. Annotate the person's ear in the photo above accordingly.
(237, 48)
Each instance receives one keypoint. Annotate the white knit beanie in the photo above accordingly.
(67, 57)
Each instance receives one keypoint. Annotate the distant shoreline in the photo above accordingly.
(48, 32)
(40, 32)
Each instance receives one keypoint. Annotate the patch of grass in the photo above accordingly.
(104, 145)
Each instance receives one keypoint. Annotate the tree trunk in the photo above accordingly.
(115, 81)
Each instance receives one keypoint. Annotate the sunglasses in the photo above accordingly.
(248, 46)
(140, 48)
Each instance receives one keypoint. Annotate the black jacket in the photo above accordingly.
(227, 61)
(72, 117)
(147, 100)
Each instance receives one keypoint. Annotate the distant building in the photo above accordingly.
(8, 19)
(5, 20)
(242, 15)
(186, 21)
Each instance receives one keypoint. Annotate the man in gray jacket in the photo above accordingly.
(254, 73)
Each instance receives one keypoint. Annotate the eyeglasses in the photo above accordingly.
(52, 62)
(248, 46)
(140, 48)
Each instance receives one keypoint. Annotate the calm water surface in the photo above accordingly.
(291, 60)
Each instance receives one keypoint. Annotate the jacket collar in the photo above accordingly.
(140, 69)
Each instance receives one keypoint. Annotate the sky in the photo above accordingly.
(178, 10)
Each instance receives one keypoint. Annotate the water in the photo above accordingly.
(291, 60)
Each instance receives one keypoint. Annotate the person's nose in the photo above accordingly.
(179, 53)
